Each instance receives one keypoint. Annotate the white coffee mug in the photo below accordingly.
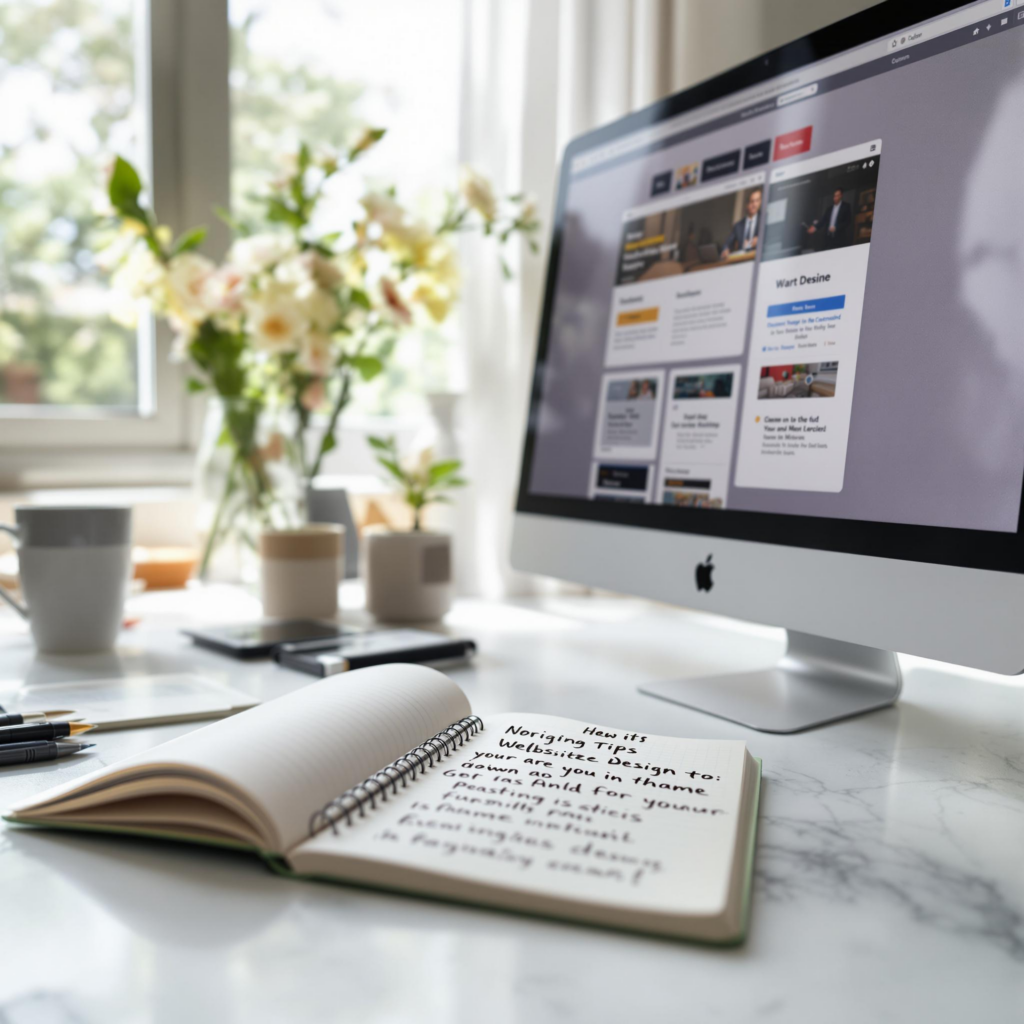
(300, 571)
(74, 565)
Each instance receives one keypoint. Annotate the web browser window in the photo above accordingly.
(805, 297)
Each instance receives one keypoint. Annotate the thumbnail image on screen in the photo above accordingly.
(828, 209)
(702, 385)
(691, 237)
(798, 380)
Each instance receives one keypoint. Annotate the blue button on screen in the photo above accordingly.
(808, 306)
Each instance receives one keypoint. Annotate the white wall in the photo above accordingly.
(712, 35)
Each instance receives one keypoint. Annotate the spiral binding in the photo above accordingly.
(400, 770)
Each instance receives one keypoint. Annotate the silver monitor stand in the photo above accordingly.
(816, 681)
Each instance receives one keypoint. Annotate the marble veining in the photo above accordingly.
(889, 881)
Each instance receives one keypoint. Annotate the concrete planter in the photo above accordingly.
(408, 575)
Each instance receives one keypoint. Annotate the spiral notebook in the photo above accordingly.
(384, 777)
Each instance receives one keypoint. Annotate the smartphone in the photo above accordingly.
(378, 647)
(259, 639)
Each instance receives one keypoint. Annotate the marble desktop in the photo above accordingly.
(889, 880)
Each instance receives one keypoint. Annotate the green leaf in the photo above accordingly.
(367, 140)
(439, 470)
(455, 481)
(367, 367)
(393, 468)
(194, 384)
(189, 241)
(278, 212)
(124, 189)
(506, 270)
(225, 217)
(329, 443)
(382, 444)
(360, 298)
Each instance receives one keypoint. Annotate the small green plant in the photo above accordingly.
(421, 479)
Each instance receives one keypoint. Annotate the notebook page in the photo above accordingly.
(294, 754)
(564, 809)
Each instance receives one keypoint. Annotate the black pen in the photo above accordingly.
(25, 717)
(41, 731)
(45, 750)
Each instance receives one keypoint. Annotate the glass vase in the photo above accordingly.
(248, 479)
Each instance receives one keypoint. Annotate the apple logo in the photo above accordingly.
(704, 570)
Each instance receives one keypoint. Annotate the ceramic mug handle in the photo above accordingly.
(19, 608)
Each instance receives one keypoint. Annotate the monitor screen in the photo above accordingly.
(795, 295)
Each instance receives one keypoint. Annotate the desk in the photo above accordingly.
(889, 879)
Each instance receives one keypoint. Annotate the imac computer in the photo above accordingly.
(780, 367)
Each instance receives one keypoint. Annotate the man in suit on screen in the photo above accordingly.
(835, 225)
(743, 237)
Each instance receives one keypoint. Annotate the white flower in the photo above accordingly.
(141, 276)
(321, 308)
(384, 210)
(225, 289)
(274, 319)
(188, 276)
(316, 355)
(479, 193)
(256, 253)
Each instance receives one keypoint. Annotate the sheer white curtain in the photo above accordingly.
(536, 73)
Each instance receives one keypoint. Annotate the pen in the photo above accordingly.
(46, 750)
(41, 731)
(14, 718)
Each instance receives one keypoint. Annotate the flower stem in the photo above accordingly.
(215, 528)
(339, 404)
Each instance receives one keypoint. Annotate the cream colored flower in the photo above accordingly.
(140, 277)
(307, 272)
(384, 210)
(274, 319)
(316, 354)
(479, 193)
(528, 211)
(322, 309)
(256, 253)
(435, 297)
(188, 277)
(225, 289)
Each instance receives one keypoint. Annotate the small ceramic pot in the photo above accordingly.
(408, 575)
(300, 571)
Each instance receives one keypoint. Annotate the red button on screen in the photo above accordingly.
(792, 143)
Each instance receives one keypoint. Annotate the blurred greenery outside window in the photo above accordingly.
(320, 70)
(299, 70)
(67, 97)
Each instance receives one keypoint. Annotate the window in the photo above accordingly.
(170, 83)
(67, 92)
(305, 71)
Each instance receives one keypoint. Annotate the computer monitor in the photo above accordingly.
(780, 368)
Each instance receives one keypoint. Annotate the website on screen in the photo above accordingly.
(758, 309)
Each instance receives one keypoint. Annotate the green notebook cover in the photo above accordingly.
(279, 865)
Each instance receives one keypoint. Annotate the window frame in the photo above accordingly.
(182, 62)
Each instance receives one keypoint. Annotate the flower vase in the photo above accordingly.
(246, 481)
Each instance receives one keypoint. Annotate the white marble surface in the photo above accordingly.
(889, 874)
